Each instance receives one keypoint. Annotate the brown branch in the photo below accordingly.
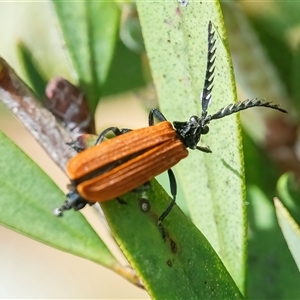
(18, 97)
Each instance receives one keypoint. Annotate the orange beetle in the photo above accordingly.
(116, 166)
(125, 162)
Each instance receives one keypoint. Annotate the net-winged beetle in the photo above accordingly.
(116, 166)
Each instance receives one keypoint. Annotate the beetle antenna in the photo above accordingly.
(210, 68)
(238, 106)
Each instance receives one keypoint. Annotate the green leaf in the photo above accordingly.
(176, 43)
(289, 193)
(119, 81)
(90, 31)
(28, 198)
(34, 76)
(184, 266)
(290, 230)
(272, 273)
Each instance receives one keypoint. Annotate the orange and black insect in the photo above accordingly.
(116, 166)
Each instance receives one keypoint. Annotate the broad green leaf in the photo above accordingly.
(176, 44)
(272, 272)
(290, 230)
(185, 266)
(125, 73)
(90, 30)
(28, 198)
(127, 70)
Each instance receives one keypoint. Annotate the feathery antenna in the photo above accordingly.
(238, 106)
(210, 68)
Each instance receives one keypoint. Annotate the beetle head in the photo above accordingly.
(74, 200)
(190, 132)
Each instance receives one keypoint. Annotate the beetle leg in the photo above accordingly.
(204, 148)
(115, 130)
(121, 201)
(173, 187)
(154, 112)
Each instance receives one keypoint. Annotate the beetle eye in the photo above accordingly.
(205, 129)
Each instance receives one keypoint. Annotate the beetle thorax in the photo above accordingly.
(190, 132)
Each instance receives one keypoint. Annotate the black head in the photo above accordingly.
(190, 132)
(73, 200)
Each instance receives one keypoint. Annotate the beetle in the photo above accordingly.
(119, 165)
